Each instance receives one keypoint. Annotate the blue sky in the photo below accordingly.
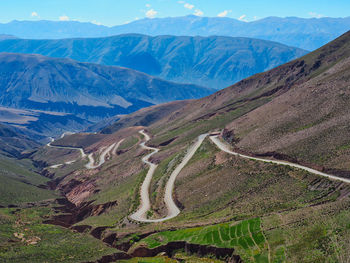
(114, 12)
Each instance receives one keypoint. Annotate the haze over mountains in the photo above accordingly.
(214, 62)
(304, 33)
(89, 91)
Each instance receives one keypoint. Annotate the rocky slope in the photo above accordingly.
(214, 62)
(89, 91)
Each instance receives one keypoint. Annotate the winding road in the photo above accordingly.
(91, 163)
(112, 149)
(82, 153)
(173, 210)
(224, 147)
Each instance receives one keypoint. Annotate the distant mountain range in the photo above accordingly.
(215, 62)
(89, 91)
(304, 33)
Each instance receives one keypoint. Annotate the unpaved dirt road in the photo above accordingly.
(110, 150)
(173, 210)
(224, 147)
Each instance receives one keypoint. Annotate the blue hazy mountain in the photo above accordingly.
(215, 62)
(304, 33)
(89, 91)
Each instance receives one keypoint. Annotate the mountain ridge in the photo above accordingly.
(214, 62)
(292, 31)
(89, 91)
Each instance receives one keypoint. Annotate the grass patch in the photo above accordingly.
(158, 259)
(245, 236)
(129, 142)
(24, 238)
(19, 184)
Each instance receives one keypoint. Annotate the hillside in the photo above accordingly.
(14, 141)
(89, 91)
(42, 123)
(228, 205)
(309, 122)
(284, 110)
(304, 33)
(215, 62)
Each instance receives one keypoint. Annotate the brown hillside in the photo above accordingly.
(310, 121)
(275, 111)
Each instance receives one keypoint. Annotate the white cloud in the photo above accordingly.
(34, 14)
(64, 18)
(151, 13)
(188, 6)
(148, 5)
(315, 15)
(224, 13)
(96, 22)
(198, 12)
(243, 18)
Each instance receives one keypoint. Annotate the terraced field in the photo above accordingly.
(180, 257)
(159, 259)
(246, 237)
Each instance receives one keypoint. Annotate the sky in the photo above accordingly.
(116, 12)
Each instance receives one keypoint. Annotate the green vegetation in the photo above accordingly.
(310, 235)
(24, 238)
(195, 259)
(183, 257)
(19, 184)
(159, 259)
(246, 237)
(129, 142)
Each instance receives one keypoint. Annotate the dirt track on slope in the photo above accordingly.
(173, 210)
(224, 147)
